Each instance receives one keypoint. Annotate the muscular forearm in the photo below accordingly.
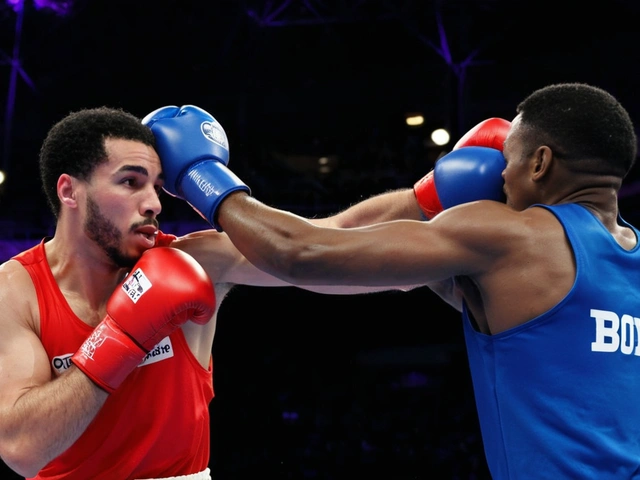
(298, 252)
(47, 420)
(394, 205)
(222, 261)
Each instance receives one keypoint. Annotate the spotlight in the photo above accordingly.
(414, 119)
(440, 136)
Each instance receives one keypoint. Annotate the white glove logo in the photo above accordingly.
(95, 341)
(136, 285)
(214, 133)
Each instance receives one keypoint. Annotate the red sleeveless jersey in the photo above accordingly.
(156, 424)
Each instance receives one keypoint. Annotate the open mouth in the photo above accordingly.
(147, 231)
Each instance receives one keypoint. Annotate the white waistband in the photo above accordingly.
(203, 475)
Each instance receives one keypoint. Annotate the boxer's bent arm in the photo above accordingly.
(40, 417)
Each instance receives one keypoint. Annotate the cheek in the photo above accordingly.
(111, 207)
(507, 175)
(510, 185)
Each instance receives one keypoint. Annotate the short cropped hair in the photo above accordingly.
(76, 145)
(585, 126)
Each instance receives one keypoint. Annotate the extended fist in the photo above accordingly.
(471, 171)
(489, 133)
(463, 175)
(194, 152)
(185, 135)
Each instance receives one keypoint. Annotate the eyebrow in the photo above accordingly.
(134, 168)
(138, 169)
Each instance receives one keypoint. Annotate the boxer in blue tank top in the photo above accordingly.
(548, 279)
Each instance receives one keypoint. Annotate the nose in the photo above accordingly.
(151, 203)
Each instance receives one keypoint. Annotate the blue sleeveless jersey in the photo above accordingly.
(559, 396)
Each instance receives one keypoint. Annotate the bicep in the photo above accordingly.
(397, 253)
(23, 360)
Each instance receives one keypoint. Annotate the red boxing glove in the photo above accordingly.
(165, 289)
(427, 196)
(489, 133)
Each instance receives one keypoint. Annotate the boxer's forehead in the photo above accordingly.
(121, 152)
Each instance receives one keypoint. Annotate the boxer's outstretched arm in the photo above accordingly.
(398, 204)
(224, 262)
(194, 160)
(461, 241)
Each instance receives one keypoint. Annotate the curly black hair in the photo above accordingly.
(76, 145)
(585, 126)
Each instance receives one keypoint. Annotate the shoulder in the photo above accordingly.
(494, 215)
(222, 261)
(18, 299)
(204, 243)
(13, 274)
(495, 228)
(213, 250)
(480, 218)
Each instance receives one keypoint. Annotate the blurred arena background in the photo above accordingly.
(313, 95)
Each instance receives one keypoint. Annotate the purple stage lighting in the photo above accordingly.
(60, 7)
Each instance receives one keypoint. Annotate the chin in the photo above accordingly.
(129, 257)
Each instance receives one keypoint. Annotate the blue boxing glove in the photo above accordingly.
(463, 175)
(194, 152)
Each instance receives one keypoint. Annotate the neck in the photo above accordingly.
(83, 270)
(596, 192)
